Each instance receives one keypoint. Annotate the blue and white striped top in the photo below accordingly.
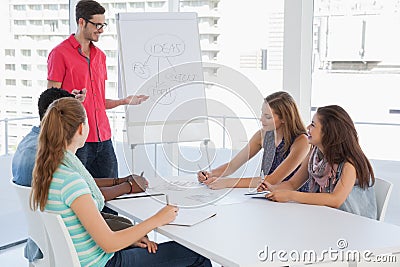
(65, 187)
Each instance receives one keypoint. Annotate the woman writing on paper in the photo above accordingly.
(62, 185)
(340, 174)
(283, 151)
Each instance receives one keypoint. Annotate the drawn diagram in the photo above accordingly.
(160, 50)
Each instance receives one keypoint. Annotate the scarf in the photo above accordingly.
(73, 163)
(322, 174)
(269, 152)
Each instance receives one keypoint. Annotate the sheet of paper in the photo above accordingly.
(190, 217)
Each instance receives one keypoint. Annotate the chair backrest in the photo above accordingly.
(64, 251)
(383, 190)
(36, 229)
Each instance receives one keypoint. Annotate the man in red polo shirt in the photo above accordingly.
(79, 67)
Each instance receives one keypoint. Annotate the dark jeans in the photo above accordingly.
(99, 159)
(116, 223)
(169, 254)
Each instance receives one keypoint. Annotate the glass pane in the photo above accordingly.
(356, 64)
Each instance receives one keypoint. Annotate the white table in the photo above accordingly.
(237, 234)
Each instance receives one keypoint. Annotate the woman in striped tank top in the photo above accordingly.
(62, 185)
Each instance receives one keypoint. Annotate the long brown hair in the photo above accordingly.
(340, 142)
(286, 109)
(58, 127)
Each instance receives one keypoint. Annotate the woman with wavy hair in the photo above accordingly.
(62, 185)
(340, 174)
(283, 138)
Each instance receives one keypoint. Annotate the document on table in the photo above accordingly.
(190, 217)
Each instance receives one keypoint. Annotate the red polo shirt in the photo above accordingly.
(67, 65)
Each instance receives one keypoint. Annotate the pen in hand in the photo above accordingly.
(202, 172)
(146, 184)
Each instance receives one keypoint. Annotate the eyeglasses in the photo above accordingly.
(98, 26)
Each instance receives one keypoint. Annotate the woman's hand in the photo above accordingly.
(281, 195)
(265, 186)
(166, 215)
(144, 242)
(203, 176)
(219, 183)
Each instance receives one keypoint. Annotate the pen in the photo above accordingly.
(167, 198)
(140, 196)
(147, 183)
(202, 172)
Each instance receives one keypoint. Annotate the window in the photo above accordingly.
(355, 52)
(20, 22)
(105, 5)
(53, 25)
(26, 99)
(35, 7)
(10, 66)
(42, 67)
(20, 7)
(42, 83)
(111, 53)
(156, 4)
(215, 39)
(119, 6)
(64, 7)
(112, 84)
(42, 52)
(35, 22)
(10, 52)
(26, 67)
(26, 52)
(27, 83)
(111, 68)
(41, 38)
(137, 5)
(50, 7)
(194, 3)
(11, 82)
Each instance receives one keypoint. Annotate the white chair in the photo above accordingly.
(383, 190)
(64, 251)
(36, 229)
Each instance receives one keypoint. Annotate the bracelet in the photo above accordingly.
(131, 184)
(116, 181)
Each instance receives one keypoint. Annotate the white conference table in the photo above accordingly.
(239, 231)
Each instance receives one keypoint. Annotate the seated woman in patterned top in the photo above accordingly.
(340, 174)
(283, 138)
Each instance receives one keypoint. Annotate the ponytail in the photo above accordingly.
(58, 127)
